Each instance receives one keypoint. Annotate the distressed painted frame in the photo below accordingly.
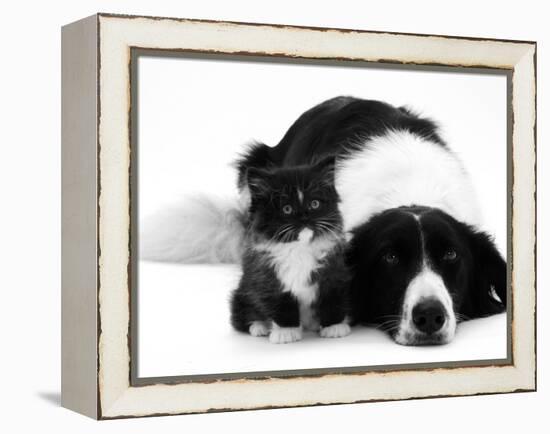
(97, 277)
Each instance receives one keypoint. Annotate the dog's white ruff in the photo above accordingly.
(402, 169)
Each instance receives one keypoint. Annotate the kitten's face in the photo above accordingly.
(286, 202)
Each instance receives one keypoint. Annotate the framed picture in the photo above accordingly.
(262, 216)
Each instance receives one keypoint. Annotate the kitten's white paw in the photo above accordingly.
(335, 331)
(285, 335)
(258, 328)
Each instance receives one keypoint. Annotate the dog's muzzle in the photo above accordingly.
(428, 317)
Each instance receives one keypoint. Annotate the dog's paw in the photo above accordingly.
(258, 328)
(335, 331)
(285, 335)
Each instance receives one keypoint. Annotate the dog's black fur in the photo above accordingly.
(331, 128)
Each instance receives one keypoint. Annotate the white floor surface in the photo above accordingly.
(184, 330)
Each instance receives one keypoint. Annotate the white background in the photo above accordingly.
(196, 115)
(30, 217)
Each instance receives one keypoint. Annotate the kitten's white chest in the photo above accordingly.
(294, 262)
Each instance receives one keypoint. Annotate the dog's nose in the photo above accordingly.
(429, 316)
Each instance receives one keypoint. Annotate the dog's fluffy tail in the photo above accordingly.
(199, 229)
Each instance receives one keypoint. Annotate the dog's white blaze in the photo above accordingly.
(400, 169)
(426, 284)
(295, 261)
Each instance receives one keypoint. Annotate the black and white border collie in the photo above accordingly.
(421, 263)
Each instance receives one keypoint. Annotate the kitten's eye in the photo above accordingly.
(287, 209)
(391, 258)
(450, 255)
(314, 204)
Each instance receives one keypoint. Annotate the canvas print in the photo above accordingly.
(297, 215)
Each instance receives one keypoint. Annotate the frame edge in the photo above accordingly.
(116, 409)
(79, 104)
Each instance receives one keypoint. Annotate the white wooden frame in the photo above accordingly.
(96, 258)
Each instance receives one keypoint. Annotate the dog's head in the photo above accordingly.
(418, 272)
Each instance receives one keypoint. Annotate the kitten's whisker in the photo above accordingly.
(284, 230)
(328, 229)
(281, 233)
(288, 234)
(328, 224)
(330, 233)
(285, 233)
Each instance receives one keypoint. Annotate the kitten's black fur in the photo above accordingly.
(285, 202)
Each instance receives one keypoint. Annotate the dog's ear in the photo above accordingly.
(487, 287)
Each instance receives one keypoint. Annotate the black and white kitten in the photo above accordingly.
(294, 272)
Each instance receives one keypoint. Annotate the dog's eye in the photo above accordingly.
(450, 255)
(287, 209)
(314, 204)
(391, 258)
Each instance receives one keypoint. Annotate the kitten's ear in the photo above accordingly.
(325, 166)
(258, 181)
